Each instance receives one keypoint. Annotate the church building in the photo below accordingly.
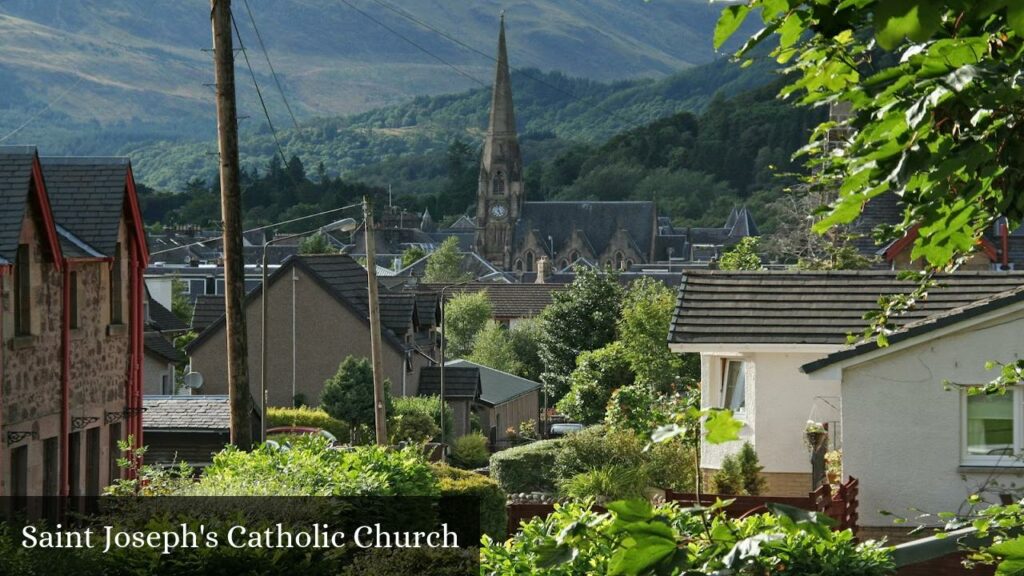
(513, 234)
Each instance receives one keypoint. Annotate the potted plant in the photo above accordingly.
(815, 435)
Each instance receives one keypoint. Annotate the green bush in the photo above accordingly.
(672, 465)
(607, 483)
(740, 474)
(470, 451)
(405, 561)
(305, 416)
(415, 418)
(596, 447)
(597, 374)
(526, 468)
(493, 513)
(638, 408)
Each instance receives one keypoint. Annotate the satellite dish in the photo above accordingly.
(193, 380)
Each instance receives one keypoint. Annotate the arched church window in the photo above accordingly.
(629, 264)
(618, 260)
(574, 256)
(563, 264)
(519, 265)
(529, 261)
(499, 183)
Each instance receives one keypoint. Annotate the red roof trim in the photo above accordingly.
(989, 249)
(900, 245)
(135, 216)
(49, 225)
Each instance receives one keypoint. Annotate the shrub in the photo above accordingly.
(595, 447)
(493, 514)
(404, 561)
(305, 416)
(638, 408)
(597, 373)
(470, 451)
(348, 395)
(672, 465)
(740, 474)
(526, 468)
(607, 483)
(416, 418)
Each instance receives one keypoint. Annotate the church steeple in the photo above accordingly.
(500, 189)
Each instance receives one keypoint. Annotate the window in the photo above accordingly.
(165, 385)
(734, 386)
(23, 292)
(19, 472)
(73, 280)
(116, 296)
(51, 476)
(499, 183)
(991, 428)
(529, 261)
(92, 461)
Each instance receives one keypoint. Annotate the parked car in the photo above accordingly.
(564, 428)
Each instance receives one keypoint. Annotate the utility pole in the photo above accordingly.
(379, 413)
(231, 213)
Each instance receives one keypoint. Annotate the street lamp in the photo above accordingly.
(343, 225)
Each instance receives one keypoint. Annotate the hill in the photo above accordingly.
(99, 74)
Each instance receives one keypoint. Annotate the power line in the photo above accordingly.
(418, 46)
(49, 104)
(273, 73)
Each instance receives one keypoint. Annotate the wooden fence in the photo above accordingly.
(841, 505)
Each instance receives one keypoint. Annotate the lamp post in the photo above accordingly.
(441, 437)
(344, 225)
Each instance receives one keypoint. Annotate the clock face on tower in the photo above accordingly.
(499, 211)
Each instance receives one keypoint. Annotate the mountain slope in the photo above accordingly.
(123, 69)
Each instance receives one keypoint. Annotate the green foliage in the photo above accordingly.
(415, 418)
(526, 468)
(637, 408)
(740, 474)
(411, 255)
(465, 315)
(493, 514)
(525, 335)
(579, 319)
(317, 244)
(470, 451)
(743, 256)
(647, 309)
(608, 482)
(181, 341)
(145, 479)
(404, 561)
(493, 346)
(181, 306)
(305, 416)
(597, 374)
(445, 264)
(838, 257)
(598, 446)
(639, 539)
(348, 395)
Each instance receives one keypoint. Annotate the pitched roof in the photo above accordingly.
(459, 382)
(767, 307)
(87, 196)
(208, 308)
(198, 412)
(427, 311)
(496, 387)
(17, 169)
(880, 210)
(163, 319)
(598, 221)
(396, 311)
(161, 347)
(924, 326)
(510, 300)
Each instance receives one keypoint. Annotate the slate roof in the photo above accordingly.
(882, 209)
(598, 221)
(496, 387)
(208, 308)
(924, 326)
(87, 197)
(164, 320)
(15, 175)
(719, 307)
(156, 344)
(396, 311)
(510, 300)
(199, 412)
(460, 383)
(471, 263)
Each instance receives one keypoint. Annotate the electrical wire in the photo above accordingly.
(273, 72)
(49, 104)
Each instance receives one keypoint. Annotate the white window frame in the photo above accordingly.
(723, 385)
(1002, 461)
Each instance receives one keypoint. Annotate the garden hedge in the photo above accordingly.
(493, 512)
(526, 468)
(305, 416)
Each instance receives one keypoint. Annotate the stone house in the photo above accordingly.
(317, 314)
(755, 331)
(72, 251)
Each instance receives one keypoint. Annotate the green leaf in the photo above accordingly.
(722, 427)
(1009, 549)
(730, 20)
(899, 19)
(646, 552)
(631, 510)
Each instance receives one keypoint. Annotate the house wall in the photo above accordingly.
(511, 414)
(153, 370)
(325, 331)
(902, 427)
(161, 289)
(779, 401)
(32, 366)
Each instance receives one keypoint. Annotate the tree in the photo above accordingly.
(412, 254)
(647, 310)
(597, 374)
(493, 347)
(317, 244)
(742, 256)
(445, 264)
(348, 395)
(181, 306)
(525, 335)
(581, 318)
(465, 315)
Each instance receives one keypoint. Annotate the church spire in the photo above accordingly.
(503, 117)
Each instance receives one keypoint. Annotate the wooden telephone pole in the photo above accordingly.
(231, 213)
(379, 412)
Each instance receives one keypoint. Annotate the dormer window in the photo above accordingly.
(499, 183)
(23, 292)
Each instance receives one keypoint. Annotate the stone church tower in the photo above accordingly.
(500, 189)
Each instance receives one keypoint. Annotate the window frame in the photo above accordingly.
(724, 384)
(23, 291)
(1000, 461)
(116, 288)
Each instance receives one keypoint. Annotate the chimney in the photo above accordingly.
(543, 271)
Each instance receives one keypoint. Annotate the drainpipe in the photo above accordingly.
(65, 383)
(136, 335)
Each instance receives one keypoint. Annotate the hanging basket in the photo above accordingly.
(815, 440)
